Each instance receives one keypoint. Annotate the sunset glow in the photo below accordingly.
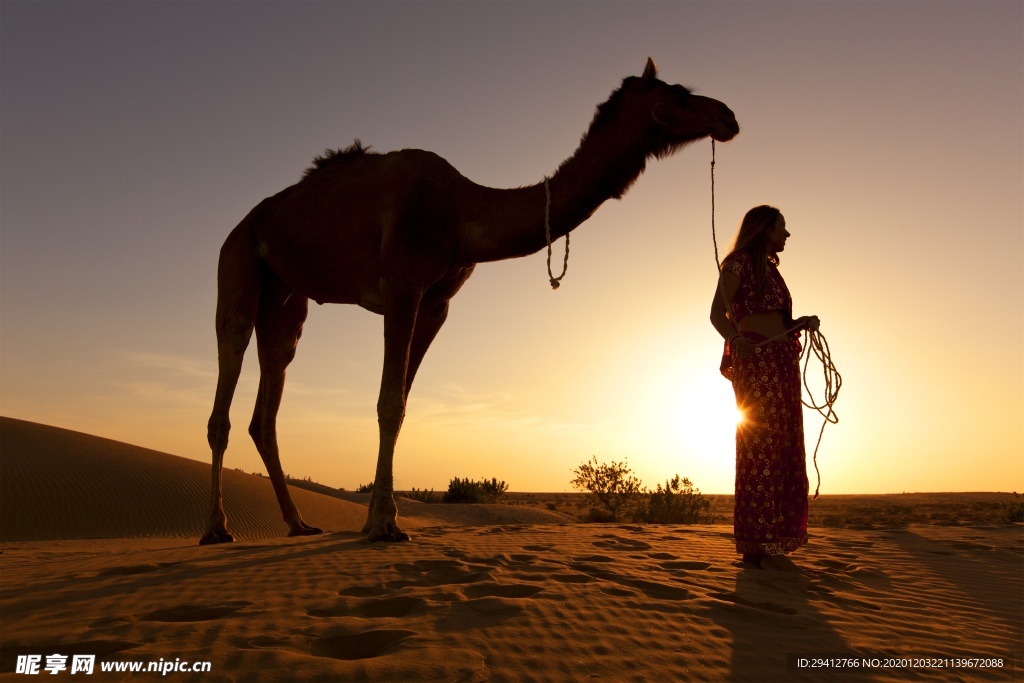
(137, 135)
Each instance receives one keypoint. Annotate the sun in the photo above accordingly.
(691, 421)
(676, 413)
(706, 413)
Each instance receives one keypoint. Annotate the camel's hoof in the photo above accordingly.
(389, 537)
(305, 530)
(216, 536)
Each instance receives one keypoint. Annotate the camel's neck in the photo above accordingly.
(504, 224)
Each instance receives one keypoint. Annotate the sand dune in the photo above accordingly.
(59, 484)
(491, 602)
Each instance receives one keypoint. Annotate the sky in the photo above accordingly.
(134, 136)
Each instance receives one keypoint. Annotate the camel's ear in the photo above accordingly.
(650, 71)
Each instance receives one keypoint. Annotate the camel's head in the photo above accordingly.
(673, 116)
(646, 118)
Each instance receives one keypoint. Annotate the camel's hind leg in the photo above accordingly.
(278, 328)
(238, 285)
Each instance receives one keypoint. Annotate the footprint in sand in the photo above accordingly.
(439, 573)
(766, 606)
(499, 560)
(571, 578)
(490, 599)
(190, 613)
(652, 589)
(834, 564)
(502, 560)
(268, 642)
(446, 575)
(503, 528)
(854, 602)
(685, 565)
(520, 558)
(425, 565)
(498, 590)
(363, 591)
(398, 606)
(106, 622)
(825, 593)
(487, 607)
(594, 558)
(365, 645)
(658, 591)
(134, 569)
(620, 543)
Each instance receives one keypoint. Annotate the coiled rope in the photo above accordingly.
(555, 281)
(814, 343)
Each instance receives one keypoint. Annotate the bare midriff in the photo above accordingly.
(768, 325)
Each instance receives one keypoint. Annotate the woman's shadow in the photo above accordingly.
(774, 623)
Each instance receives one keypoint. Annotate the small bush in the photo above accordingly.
(466, 491)
(365, 488)
(599, 516)
(613, 488)
(1014, 510)
(677, 503)
(423, 495)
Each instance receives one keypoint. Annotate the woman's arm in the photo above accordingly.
(728, 284)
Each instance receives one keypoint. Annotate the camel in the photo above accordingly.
(399, 234)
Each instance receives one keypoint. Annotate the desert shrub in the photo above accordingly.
(1014, 510)
(612, 487)
(365, 488)
(599, 515)
(677, 503)
(423, 495)
(466, 491)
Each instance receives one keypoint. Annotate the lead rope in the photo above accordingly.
(555, 281)
(814, 343)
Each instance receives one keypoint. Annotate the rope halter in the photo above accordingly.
(555, 281)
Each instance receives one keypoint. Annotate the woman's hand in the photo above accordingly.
(808, 322)
(741, 347)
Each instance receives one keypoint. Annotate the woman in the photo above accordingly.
(753, 311)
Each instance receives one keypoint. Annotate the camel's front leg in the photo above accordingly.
(401, 306)
(233, 334)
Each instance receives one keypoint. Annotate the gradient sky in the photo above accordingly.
(135, 136)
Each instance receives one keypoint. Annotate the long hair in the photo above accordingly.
(752, 238)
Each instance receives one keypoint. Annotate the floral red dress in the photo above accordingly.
(770, 514)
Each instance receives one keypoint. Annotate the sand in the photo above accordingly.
(99, 557)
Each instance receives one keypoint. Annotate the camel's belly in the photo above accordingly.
(341, 282)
